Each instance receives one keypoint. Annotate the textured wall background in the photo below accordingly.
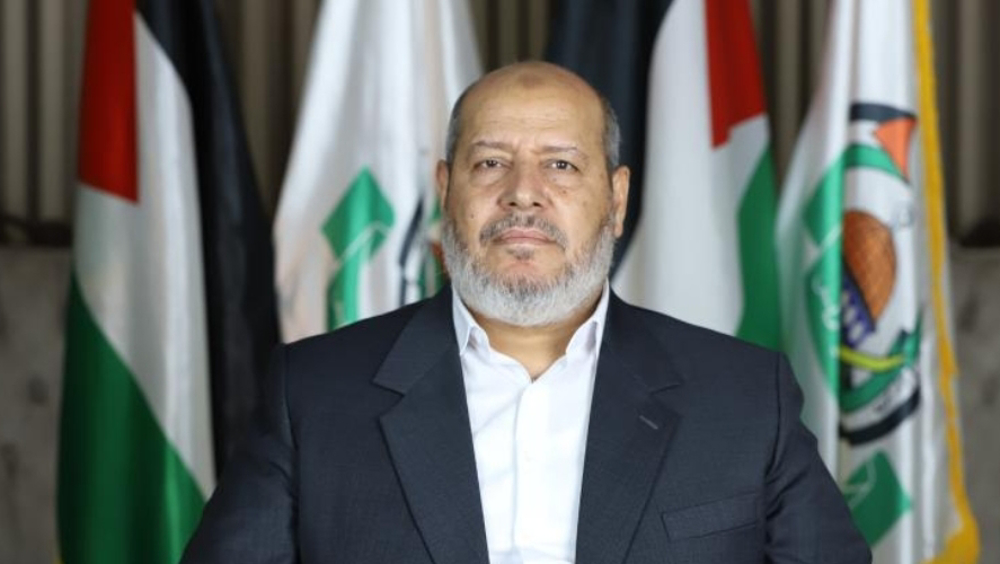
(976, 298)
(33, 287)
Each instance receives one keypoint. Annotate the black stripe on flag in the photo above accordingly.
(239, 259)
(610, 44)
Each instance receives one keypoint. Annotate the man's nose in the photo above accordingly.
(526, 189)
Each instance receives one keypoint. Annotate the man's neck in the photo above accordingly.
(536, 348)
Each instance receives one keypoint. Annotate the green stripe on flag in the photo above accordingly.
(760, 322)
(354, 229)
(125, 495)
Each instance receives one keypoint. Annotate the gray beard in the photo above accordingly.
(523, 301)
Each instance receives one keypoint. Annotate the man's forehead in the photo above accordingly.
(538, 131)
(532, 75)
(546, 96)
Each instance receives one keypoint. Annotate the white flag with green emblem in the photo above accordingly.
(863, 273)
(703, 249)
(353, 228)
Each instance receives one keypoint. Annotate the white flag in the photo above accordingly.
(358, 205)
(863, 274)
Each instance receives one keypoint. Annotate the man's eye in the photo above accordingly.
(562, 165)
(488, 163)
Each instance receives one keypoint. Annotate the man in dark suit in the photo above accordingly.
(526, 414)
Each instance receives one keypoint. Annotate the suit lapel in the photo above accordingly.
(429, 439)
(629, 432)
(430, 442)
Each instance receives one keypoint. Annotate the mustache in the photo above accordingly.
(522, 221)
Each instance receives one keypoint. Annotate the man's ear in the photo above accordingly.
(619, 196)
(441, 174)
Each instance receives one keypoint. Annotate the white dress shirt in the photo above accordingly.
(530, 439)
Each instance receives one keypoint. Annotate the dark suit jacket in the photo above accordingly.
(695, 454)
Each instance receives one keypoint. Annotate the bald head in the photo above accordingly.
(528, 76)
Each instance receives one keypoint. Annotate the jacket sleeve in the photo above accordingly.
(251, 517)
(807, 517)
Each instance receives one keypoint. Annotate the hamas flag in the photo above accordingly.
(357, 215)
(864, 280)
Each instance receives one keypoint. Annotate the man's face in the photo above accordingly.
(528, 193)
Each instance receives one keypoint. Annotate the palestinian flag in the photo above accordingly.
(703, 248)
(864, 280)
(162, 175)
(355, 224)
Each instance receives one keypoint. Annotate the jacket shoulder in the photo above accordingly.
(687, 339)
(358, 348)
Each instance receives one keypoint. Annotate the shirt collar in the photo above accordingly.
(586, 339)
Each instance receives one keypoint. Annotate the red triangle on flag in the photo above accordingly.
(107, 150)
(734, 77)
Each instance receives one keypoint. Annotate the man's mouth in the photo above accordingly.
(523, 236)
(522, 229)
